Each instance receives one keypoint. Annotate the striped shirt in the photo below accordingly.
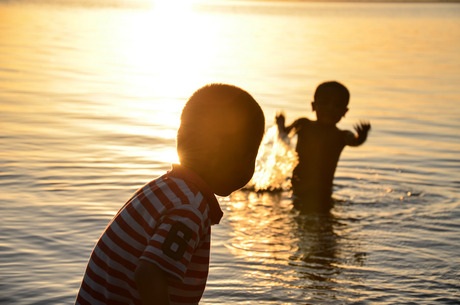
(166, 222)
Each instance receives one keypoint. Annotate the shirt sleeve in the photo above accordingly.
(175, 239)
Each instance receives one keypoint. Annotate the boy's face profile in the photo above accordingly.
(238, 169)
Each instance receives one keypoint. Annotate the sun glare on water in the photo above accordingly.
(165, 57)
(168, 47)
(172, 5)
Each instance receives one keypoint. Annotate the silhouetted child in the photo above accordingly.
(156, 249)
(319, 145)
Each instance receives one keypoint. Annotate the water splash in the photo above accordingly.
(275, 161)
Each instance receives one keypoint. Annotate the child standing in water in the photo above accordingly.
(156, 248)
(319, 145)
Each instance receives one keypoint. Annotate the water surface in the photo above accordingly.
(90, 99)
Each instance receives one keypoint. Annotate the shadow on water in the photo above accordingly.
(316, 253)
(326, 252)
(306, 257)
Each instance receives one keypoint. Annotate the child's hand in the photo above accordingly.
(280, 119)
(362, 129)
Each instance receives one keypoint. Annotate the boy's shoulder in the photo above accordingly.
(302, 122)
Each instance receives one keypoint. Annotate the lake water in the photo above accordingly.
(90, 98)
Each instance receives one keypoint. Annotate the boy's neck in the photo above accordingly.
(195, 178)
(326, 123)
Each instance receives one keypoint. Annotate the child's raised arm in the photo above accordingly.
(284, 130)
(280, 122)
(360, 137)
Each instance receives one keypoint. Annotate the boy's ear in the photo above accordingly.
(313, 106)
(345, 112)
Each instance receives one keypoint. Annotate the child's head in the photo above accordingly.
(219, 136)
(331, 101)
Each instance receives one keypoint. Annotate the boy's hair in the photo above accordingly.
(326, 89)
(218, 115)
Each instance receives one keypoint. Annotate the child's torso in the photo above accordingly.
(318, 148)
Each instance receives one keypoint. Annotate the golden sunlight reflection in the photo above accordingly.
(168, 49)
(267, 232)
(169, 58)
(172, 6)
(262, 230)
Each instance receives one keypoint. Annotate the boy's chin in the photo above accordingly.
(224, 192)
(229, 185)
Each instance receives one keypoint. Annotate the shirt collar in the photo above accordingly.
(179, 171)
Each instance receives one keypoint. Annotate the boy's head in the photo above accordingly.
(330, 102)
(219, 136)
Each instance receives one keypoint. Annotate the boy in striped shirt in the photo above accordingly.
(156, 249)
